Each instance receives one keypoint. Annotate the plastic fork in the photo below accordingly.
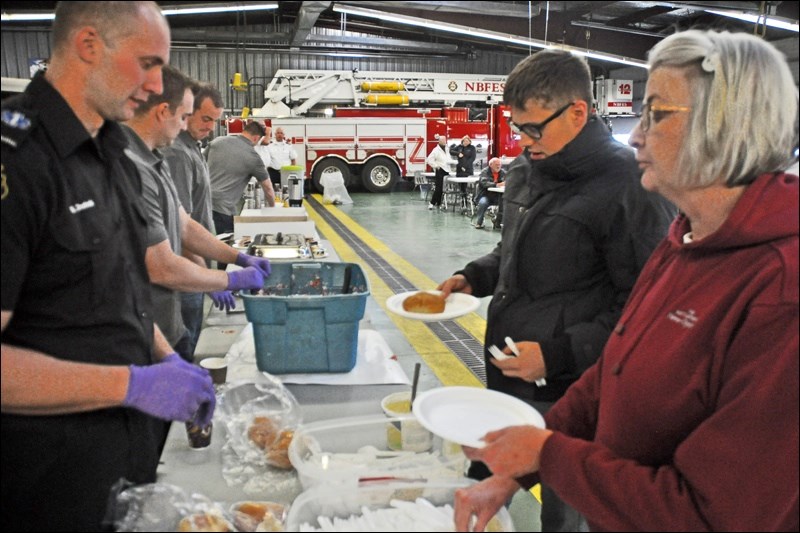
(541, 382)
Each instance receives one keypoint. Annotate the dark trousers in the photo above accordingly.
(275, 178)
(223, 224)
(192, 314)
(184, 348)
(438, 181)
(58, 470)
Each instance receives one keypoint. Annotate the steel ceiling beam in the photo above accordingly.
(305, 21)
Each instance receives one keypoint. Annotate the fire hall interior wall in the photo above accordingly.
(217, 64)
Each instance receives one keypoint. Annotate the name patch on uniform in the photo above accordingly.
(82, 206)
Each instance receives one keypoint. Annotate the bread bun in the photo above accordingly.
(263, 432)
(259, 516)
(204, 522)
(278, 453)
(424, 302)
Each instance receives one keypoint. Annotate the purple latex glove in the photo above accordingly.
(246, 278)
(173, 390)
(171, 358)
(261, 263)
(223, 300)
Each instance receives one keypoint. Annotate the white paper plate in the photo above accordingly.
(457, 304)
(465, 414)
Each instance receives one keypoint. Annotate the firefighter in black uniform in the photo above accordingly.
(84, 371)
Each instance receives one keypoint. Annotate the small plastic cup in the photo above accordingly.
(199, 436)
(406, 434)
(217, 367)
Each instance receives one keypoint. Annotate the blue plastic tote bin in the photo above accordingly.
(307, 318)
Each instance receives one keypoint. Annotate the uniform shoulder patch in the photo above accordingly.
(16, 124)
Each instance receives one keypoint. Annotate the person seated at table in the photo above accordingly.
(491, 176)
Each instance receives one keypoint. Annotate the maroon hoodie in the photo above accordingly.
(689, 420)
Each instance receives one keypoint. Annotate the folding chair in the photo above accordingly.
(419, 180)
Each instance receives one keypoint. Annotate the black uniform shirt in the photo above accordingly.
(73, 273)
(73, 270)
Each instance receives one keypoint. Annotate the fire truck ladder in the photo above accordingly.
(294, 92)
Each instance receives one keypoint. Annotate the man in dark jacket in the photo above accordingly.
(577, 229)
(491, 176)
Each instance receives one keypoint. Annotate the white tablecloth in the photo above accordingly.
(375, 363)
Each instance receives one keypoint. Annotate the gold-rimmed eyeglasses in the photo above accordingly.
(655, 113)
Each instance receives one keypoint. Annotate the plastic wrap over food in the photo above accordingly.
(384, 506)
(260, 419)
(165, 507)
(258, 516)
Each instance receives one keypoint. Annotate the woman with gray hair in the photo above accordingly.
(689, 419)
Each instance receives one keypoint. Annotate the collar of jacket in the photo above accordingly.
(581, 155)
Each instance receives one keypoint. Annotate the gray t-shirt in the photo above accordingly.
(163, 223)
(232, 160)
(189, 172)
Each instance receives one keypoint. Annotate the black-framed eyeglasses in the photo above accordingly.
(534, 129)
(653, 114)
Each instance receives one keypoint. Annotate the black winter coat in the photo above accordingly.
(577, 230)
(466, 163)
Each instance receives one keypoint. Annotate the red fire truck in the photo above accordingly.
(376, 127)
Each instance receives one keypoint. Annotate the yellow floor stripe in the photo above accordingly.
(536, 490)
(447, 367)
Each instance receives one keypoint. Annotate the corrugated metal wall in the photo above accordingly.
(20, 46)
(217, 65)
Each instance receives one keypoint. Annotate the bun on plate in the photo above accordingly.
(424, 302)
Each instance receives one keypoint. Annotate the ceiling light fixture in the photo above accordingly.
(192, 9)
(200, 9)
(775, 22)
(483, 34)
(20, 17)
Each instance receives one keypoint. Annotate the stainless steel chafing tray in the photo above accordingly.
(280, 246)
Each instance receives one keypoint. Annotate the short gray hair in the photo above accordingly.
(551, 78)
(744, 118)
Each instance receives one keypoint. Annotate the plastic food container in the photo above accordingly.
(349, 450)
(342, 504)
(307, 318)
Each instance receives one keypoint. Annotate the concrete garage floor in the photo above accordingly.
(436, 243)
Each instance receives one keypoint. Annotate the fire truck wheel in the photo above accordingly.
(330, 164)
(379, 174)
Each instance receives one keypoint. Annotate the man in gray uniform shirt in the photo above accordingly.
(190, 176)
(156, 123)
(232, 160)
